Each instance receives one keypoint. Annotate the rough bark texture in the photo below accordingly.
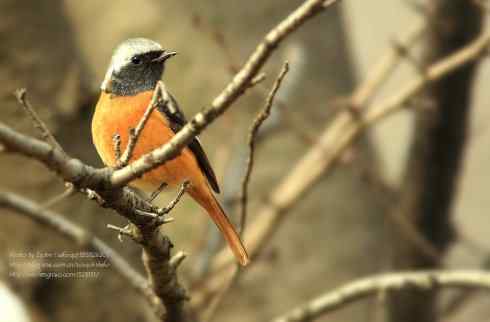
(40, 52)
(437, 150)
(321, 246)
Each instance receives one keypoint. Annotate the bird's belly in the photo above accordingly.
(113, 117)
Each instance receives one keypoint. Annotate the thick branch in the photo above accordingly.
(230, 94)
(106, 182)
(77, 234)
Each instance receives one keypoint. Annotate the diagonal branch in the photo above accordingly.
(228, 96)
(21, 95)
(323, 156)
(106, 186)
(134, 134)
(77, 234)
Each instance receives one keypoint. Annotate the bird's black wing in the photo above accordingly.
(177, 120)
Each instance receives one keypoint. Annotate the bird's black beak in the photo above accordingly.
(164, 56)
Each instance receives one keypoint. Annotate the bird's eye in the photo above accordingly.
(136, 60)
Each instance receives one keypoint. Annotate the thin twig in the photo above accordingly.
(323, 157)
(116, 139)
(108, 184)
(218, 38)
(21, 95)
(363, 94)
(257, 80)
(228, 96)
(69, 191)
(385, 67)
(175, 201)
(254, 129)
(391, 282)
(155, 193)
(121, 231)
(134, 134)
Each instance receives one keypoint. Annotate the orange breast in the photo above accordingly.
(116, 115)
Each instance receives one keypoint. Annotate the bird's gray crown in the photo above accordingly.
(129, 48)
(124, 76)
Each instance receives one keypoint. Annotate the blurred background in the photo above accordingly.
(341, 229)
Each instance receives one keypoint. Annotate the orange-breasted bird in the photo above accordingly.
(134, 71)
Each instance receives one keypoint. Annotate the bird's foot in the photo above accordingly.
(155, 193)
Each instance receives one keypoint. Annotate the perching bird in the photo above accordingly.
(134, 71)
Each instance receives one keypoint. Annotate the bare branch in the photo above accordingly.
(105, 185)
(385, 67)
(155, 193)
(116, 139)
(176, 200)
(21, 95)
(134, 134)
(230, 94)
(358, 100)
(69, 191)
(77, 234)
(254, 129)
(323, 156)
(395, 282)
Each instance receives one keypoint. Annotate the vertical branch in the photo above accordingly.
(254, 130)
(437, 149)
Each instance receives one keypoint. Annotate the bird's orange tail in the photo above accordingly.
(206, 199)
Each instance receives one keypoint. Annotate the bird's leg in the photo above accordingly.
(155, 193)
(173, 203)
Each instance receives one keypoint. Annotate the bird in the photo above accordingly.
(136, 67)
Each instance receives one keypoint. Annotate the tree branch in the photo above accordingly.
(230, 94)
(21, 95)
(323, 156)
(393, 282)
(254, 130)
(437, 149)
(159, 92)
(107, 185)
(77, 234)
